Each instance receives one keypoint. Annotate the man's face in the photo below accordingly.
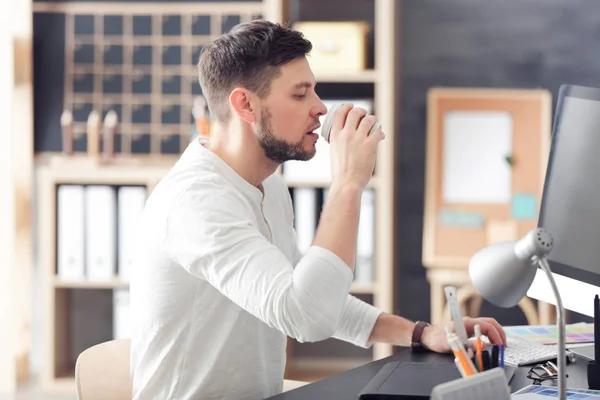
(290, 114)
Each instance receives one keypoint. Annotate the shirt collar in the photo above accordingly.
(230, 174)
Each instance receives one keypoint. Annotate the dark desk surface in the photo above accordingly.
(347, 385)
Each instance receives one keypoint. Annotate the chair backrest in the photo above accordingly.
(102, 371)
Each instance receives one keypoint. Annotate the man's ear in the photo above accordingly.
(242, 101)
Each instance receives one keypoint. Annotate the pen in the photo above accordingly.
(461, 354)
(501, 356)
(494, 358)
(479, 347)
(475, 362)
(486, 360)
(460, 368)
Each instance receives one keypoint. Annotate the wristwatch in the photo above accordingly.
(415, 341)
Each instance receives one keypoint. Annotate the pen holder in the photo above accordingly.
(593, 375)
(492, 382)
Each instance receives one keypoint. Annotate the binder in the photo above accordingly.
(365, 247)
(305, 216)
(131, 201)
(70, 232)
(101, 232)
(121, 317)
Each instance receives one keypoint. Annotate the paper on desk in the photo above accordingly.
(535, 392)
(548, 334)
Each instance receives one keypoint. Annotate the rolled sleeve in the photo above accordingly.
(357, 322)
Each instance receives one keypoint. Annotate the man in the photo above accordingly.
(219, 281)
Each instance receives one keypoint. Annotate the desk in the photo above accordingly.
(347, 385)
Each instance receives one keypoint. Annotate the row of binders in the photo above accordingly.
(308, 203)
(96, 228)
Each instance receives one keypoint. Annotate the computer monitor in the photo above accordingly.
(570, 204)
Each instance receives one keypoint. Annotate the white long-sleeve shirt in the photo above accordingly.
(219, 283)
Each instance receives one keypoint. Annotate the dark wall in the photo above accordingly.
(48, 79)
(491, 43)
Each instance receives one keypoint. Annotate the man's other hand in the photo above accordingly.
(434, 337)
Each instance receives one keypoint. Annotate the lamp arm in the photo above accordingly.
(560, 321)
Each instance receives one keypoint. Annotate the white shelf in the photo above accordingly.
(356, 288)
(362, 288)
(322, 184)
(87, 284)
(56, 372)
(366, 76)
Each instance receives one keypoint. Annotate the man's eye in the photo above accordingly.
(300, 96)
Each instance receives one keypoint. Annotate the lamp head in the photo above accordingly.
(503, 272)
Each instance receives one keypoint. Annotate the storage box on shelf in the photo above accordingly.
(337, 46)
(309, 181)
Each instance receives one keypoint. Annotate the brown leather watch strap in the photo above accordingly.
(415, 341)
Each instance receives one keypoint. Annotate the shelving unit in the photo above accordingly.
(380, 292)
(366, 76)
(61, 295)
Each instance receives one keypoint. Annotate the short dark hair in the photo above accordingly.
(249, 55)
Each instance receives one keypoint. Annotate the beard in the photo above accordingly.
(278, 150)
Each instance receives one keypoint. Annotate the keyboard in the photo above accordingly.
(522, 352)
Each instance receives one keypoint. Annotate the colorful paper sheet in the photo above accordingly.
(543, 392)
(548, 334)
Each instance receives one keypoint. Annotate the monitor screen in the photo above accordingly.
(570, 207)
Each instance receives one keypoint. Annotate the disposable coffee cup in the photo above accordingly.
(326, 127)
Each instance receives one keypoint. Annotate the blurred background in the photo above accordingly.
(99, 99)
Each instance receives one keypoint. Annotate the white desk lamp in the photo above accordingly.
(503, 272)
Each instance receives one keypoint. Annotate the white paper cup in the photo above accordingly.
(326, 127)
